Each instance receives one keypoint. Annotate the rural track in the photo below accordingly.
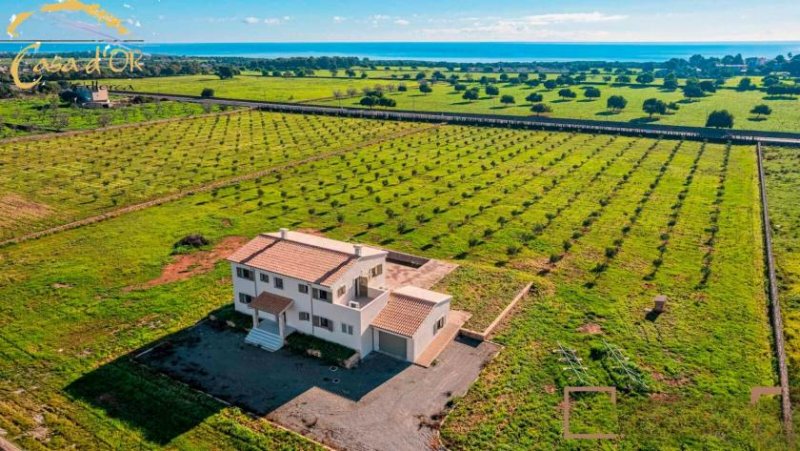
(774, 301)
(211, 186)
(531, 122)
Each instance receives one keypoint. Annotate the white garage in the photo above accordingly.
(409, 322)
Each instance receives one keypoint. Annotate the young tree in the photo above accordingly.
(471, 94)
(207, 92)
(425, 88)
(745, 84)
(616, 103)
(654, 106)
(592, 93)
(492, 90)
(761, 110)
(567, 93)
(720, 119)
(541, 108)
(550, 84)
(225, 72)
(645, 78)
(507, 99)
(368, 101)
(693, 91)
(458, 87)
(534, 97)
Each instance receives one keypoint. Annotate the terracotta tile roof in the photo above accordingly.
(403, 314)
(294, 259)
(271, 303)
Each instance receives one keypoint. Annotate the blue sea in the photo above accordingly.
(451, 51)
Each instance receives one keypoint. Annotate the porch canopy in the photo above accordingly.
(271, 303)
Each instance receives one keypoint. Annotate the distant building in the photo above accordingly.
(93, 96)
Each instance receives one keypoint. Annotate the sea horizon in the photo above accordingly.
(455, 52)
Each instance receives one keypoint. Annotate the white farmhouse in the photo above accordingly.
(296, 282)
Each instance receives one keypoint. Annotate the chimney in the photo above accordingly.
(357, 247)
(284, 234)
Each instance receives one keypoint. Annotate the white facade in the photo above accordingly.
(354, 299)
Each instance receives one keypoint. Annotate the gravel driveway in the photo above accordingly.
(384, 404)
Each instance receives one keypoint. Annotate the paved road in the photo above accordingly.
(545, 123)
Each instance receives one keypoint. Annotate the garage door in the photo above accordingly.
(392, 344)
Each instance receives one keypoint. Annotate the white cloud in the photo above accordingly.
(549, 19)
(402, 22)
(267, 20)
(380, 17)
(125, 5)
(566, 26)
(339, 19)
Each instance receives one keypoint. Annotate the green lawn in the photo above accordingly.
(785, 116)
(782, 166)
(591, 213)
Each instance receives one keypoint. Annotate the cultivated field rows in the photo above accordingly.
(66, 178)
(606, 223)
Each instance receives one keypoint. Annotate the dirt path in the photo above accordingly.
(211, 186)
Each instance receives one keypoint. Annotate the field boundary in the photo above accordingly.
(484, 335)
(775, 307)
(529, 122)
(209, 187)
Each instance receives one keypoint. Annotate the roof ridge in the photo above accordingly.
(277, 238)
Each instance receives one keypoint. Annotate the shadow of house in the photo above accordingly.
(161, 408)
(216, 361)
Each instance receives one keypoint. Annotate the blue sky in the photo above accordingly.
(443, 20)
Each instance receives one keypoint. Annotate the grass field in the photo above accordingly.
(782, 166)
(785, 116)
(608, 222)
(39, 112)
(57, 179)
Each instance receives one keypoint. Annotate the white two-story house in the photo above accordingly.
(295, 282)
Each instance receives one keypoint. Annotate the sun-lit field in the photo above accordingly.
(785, 115)
(42, 112)
(45, 182)
(601, 224)
(782, 166)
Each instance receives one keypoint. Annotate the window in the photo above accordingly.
(347, 329)
(439, 325)
(376, 271)
(303, 288)
(304, 316)
(322, 295)
(245, 298)
(278, 282)
(324, 323)
(341, 291)
(264, 277)
(244, 273)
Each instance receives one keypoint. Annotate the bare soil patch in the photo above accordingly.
(186, 266)
(591, 329)
(16, 209)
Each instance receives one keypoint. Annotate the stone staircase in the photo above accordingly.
(264, 339)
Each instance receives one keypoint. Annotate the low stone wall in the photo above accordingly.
(482, 336)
